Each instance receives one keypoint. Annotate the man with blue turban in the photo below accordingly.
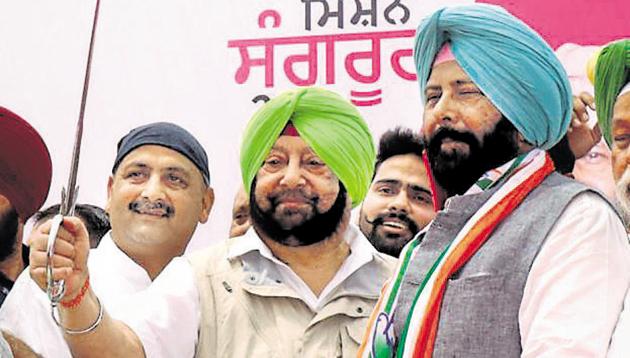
(520, 261)
(300, 283)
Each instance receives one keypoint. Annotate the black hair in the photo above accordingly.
(9, 226)
(398, 141)
(562, 156)
(95, 219)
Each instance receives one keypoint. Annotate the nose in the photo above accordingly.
(399, 203)
(442, 112)
(293, 177)
(153, 189)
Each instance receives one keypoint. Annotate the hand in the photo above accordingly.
(581, 136)
(70, 255)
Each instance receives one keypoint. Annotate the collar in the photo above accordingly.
(120, 267)
(249, 242)
(486, 181)
(264, 270)
(498, 175)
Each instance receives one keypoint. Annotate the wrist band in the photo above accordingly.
(77, 300)
(92, 327)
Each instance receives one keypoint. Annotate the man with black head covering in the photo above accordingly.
(300, 283)
(158, 192)
(519, 261)
(25, 174)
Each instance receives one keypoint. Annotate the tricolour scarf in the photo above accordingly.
(517, 179)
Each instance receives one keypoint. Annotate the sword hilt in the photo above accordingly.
(54, 289)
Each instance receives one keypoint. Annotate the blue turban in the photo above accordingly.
(509, 62)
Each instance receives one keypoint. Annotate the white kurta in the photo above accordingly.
(575, 289)
(26, 310)
(620, 344)
(572, 298)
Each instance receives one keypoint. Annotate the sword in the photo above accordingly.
(56, 289)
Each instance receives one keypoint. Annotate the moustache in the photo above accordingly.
(380, 220)
(146, 206)
(295, 194)
(449, 133)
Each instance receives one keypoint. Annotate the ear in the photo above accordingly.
(207, 202)
(110, 184)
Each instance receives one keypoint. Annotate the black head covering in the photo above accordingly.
(167, 135)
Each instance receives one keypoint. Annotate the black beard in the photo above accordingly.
(9, 225)
(379, 242)
(456, 172)
(316, 229)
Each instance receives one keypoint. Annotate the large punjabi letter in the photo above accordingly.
(374, 55)
(397, 67)
(310, 59)
(242, 74)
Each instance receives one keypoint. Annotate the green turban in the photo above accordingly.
(329, 124)
(612, 73)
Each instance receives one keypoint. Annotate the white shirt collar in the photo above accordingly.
(111, 268)
(250, 241)
(251, 249)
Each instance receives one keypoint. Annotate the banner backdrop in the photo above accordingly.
(208, 65)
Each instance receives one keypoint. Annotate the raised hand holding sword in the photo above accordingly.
(60, 247)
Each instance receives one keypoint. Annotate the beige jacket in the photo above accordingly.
(244, 315)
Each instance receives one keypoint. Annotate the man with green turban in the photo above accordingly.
(301, 282)
(612, 100)
(519, 261)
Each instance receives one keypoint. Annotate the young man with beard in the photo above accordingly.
(612, 99)
(25, 174)
(520, 261)
(301, 283)
(157, 194)
(399, 202)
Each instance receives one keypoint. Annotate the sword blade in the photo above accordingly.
(68, 202)
(56, 289)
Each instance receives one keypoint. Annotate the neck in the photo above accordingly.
(13, 265)
(318, 263)
(151, 259)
